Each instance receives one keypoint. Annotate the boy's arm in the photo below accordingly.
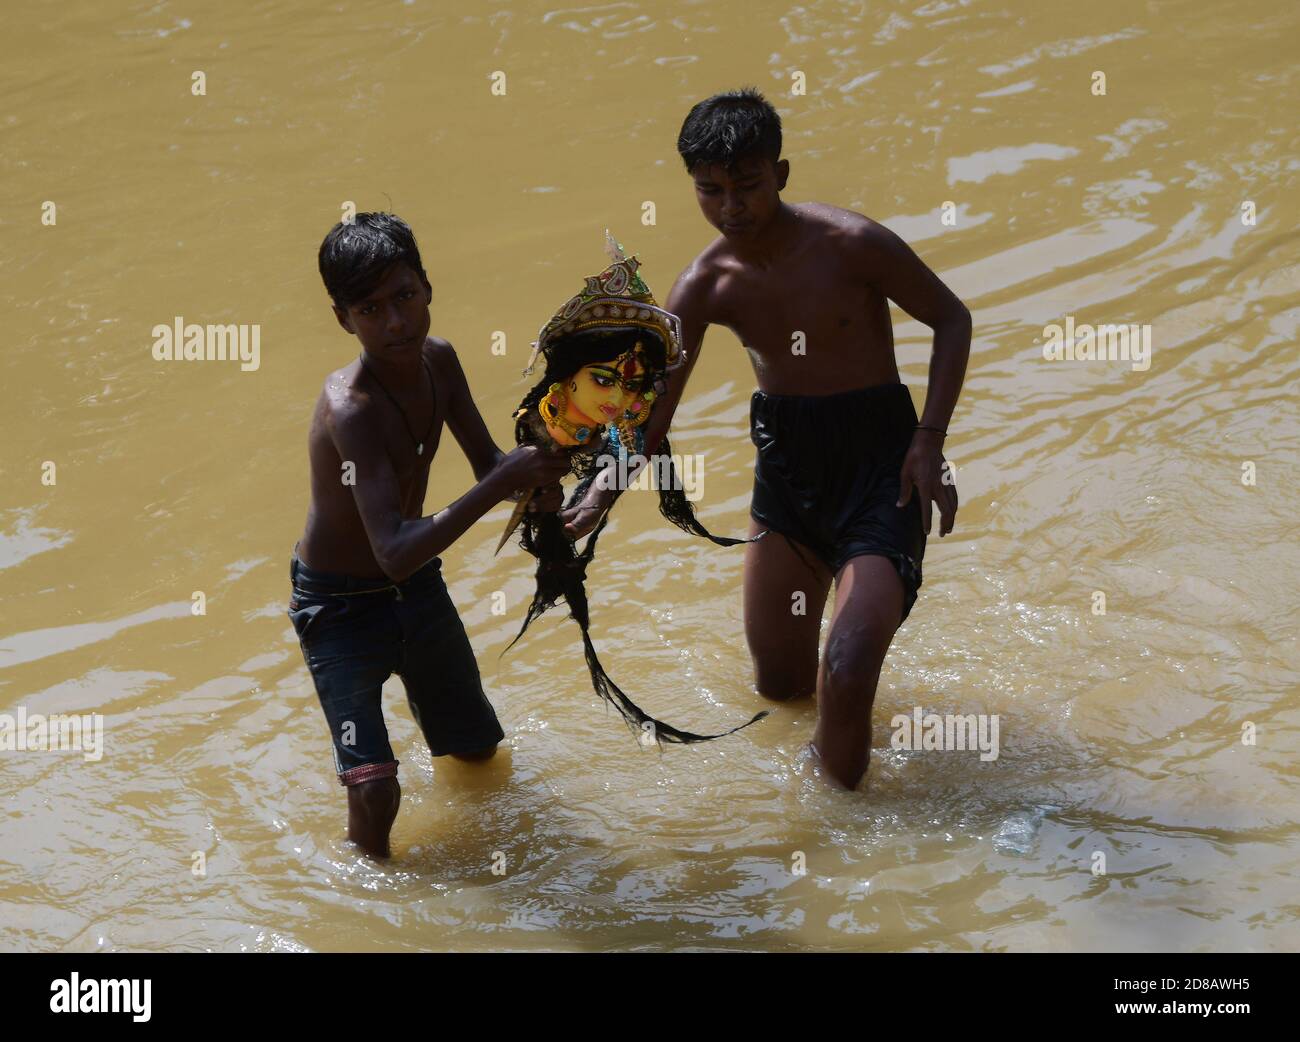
(471, 433)
(463, 417)
(903, 277)
(688, 300)
(402, 545)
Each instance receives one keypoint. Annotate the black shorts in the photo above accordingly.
(827, 471)
(356, 633)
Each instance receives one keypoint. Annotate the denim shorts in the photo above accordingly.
(356, 633)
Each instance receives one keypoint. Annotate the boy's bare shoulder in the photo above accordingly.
(847, 227)
(856, 242)
(694, 292)
(438, 350)
(343, 399)
(707, 265)
(342, 402)
(447, 370)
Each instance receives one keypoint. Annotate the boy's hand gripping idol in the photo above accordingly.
(608, 352)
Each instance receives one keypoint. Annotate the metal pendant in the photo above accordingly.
(419, 449)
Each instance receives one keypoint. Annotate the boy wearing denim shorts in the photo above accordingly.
(368, 597)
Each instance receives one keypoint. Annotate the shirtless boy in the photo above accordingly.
(845, 474)
(368, 596)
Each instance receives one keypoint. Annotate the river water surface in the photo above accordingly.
(1121, 734)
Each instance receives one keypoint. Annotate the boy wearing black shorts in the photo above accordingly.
(845, 473)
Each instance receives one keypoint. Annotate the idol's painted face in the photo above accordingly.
(600, 393)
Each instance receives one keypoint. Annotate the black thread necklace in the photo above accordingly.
(419, 443)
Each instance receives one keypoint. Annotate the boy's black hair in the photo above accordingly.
(729, 127)
(354, 257)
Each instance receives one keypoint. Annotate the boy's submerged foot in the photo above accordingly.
(843, 774)
(372, 808)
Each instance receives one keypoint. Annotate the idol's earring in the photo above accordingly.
(635, 419)
(657, 389)
(556, 402)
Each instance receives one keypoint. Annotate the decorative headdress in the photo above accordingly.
(616, 298)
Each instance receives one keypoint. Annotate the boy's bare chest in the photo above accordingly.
(812, 312)
(411, 438)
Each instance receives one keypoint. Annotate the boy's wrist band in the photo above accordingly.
(927, 427)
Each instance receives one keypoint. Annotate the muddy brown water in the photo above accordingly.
(1120, 734)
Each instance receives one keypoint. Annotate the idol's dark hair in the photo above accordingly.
(561, 569)
(729, 127)
(354, 256)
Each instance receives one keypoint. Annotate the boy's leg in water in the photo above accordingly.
(372, 808)
(869, 599)
(783, 642)
(441, 675)
(349, 644)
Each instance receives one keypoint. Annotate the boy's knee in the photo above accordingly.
(849, 676)
(856, 658)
